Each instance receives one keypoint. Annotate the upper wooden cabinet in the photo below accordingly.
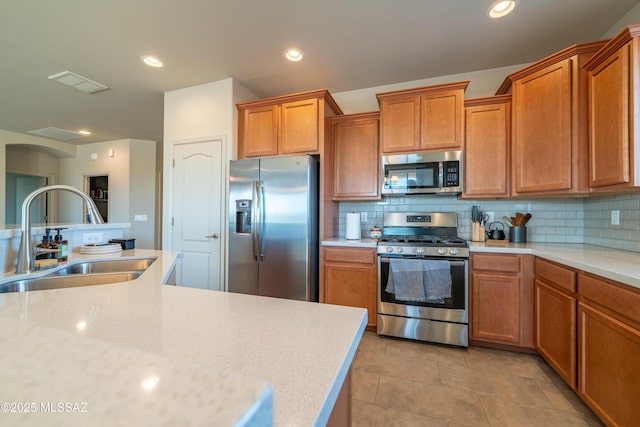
(487, 147)
(550, 133)
(422, 119)
(292, 124)
(356, 155)
(613, 75)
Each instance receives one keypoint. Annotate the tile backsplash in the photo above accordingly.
(574, 220)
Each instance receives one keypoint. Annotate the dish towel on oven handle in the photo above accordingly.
(437, 280)
(406, 280)
(419, 280)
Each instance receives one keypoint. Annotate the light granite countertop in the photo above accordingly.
(614, 264)
(215, 358)
(360, 243)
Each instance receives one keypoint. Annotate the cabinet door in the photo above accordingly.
(357, 160)
(609, 121)
(609, 377)
(259, 132)
(487, 150)
(542, 103)
(495, 309)
(299, 127)
(400, 124)
(352, 285)
(441, 120)
(555, 330)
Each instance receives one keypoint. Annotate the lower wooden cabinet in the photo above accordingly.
(349, 277)
(609, 349)
(501, 300)
(555, 317)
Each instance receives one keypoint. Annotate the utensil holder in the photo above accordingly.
(477, 232)
(518, 234)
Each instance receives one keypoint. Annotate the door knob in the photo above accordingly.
(213, 236)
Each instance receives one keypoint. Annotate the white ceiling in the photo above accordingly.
(349, 44)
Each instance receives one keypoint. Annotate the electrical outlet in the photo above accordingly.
(363, 217)
(140, 218)
(92, 238)
(615, 217)
(490, 216)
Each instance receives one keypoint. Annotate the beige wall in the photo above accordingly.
(198, 112)
(631, 17)
(482, 83)
(132, 175)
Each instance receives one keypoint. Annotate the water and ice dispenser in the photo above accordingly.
(243, 216)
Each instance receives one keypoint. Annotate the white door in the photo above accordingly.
(24, 186)
(198, 200)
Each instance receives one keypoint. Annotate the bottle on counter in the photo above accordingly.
(62, 246)
(44, 245)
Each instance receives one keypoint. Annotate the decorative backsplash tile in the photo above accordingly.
(576, 220)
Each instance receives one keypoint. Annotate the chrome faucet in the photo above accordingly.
(25, 254)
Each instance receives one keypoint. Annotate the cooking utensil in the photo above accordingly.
(527, 217)
(508, 221)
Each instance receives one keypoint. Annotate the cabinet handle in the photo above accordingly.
(213, 236)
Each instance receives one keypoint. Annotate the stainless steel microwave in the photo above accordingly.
(422, 173)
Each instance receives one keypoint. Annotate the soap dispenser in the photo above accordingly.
(44, 245)
(62, 246)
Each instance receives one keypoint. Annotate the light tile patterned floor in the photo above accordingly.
(408, 383)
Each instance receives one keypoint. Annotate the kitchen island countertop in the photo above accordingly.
(142, 353)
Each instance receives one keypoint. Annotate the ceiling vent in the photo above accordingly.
(56, 133)
(78, 82)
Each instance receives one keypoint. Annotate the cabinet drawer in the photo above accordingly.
(555, 274)
(350, 255)
(503, 263)
(611, 295)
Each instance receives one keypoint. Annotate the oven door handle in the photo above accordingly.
(454, 263)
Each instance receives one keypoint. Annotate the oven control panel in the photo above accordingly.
(424, 251)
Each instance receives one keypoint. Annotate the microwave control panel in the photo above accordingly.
(451, 173)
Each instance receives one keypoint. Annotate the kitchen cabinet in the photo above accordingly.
(292, 124)
(555, 317)
(501, 300)
(487, 141)
(356, 157)
(550, 132)
(423, 119)
(349, 277)
(613, 76)
(609, 349)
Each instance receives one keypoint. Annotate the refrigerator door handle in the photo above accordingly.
(258, 220)
(261, 220)
(254, 219)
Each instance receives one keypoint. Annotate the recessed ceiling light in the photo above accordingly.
(84, 132)
(501, 8)
(152, 61)
(293, 55)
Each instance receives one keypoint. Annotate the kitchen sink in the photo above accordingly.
(111, 266)
(55, 281)
(87, 273)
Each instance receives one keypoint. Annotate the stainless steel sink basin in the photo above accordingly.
(86, 273)
(112, 266)
(68, 281)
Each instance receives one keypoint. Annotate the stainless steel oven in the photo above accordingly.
(423, 278)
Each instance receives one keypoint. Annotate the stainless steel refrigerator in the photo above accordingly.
(273, 227)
